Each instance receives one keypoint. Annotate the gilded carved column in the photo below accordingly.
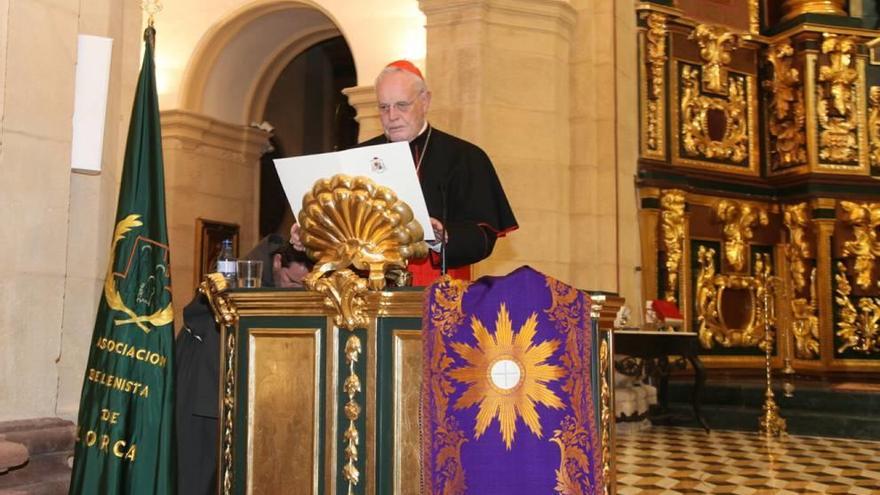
(787, 112)
(654, 87)
(823, 227)
(672, 204)
(649, 221)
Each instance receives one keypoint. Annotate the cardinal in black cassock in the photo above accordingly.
(461, 188)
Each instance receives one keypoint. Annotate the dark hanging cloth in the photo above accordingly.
(197, 356)
(461, 174)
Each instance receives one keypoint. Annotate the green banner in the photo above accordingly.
(125, 432)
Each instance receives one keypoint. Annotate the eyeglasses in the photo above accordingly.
(400, 106)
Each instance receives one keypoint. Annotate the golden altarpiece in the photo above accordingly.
(320, 388)
(760, 151)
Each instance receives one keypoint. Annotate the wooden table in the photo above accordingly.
(660, 345)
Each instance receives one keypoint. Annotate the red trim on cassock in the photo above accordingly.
(498, 233)
(424, 272)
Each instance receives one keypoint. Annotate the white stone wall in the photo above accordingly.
(54, 225)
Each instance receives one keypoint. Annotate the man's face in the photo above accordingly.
(402, 107)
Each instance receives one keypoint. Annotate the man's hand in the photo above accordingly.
(295, 239)
(288, 276)
(439, 231)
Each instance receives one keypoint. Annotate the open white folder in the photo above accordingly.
(390, 165)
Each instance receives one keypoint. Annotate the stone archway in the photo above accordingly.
(212, 154)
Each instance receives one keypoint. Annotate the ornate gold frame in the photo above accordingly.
(709, 300)
(702, 103)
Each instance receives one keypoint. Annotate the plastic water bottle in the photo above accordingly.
(226, 263)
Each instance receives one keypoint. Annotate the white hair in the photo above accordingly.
(420, 83)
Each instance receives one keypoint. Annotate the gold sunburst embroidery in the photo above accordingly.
(534, 374)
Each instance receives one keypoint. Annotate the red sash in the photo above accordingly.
(425, 273)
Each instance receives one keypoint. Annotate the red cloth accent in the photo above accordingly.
(665, 310)
(407, 66)
(425, 274)
(498, 233)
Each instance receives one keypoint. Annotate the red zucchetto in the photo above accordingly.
(407, 66)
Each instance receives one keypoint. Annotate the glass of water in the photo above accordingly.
(250, 274)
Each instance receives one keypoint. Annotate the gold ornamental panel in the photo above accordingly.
(838, 105)
(728, 306)
(874, 125)
(284, 398)
(858, 325)
(710, 131)
(865, 248)
(407, 348)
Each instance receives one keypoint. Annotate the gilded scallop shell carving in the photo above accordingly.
(352, 221)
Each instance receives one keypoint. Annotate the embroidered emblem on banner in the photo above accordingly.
(148, 293)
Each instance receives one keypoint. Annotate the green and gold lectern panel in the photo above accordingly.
(312, 406)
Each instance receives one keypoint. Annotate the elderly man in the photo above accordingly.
(464, 196)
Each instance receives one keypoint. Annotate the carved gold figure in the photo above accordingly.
(672, 204)
(739, 219)
(874, 125)
(695, 109)
(354, 222)
(837, 101)
(865, 248)
(716, 43)
(656, 60)
(805, 323)
(796, 218)
(787, 119)
(859, 329)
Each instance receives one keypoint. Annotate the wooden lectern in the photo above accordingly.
(320, 388)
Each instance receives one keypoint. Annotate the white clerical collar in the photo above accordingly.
(424, 128)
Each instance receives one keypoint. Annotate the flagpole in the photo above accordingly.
(125, 443)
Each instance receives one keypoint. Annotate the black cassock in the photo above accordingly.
(197, 357)
(459, 175)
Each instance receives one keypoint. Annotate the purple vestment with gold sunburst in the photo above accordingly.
(507, 402)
